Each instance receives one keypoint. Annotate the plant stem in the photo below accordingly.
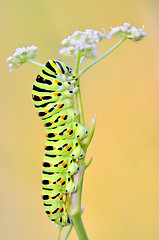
(35, 63)
(79, 106)
(103, 56)
(78, 94)
(59, 232)
(78, 63)
(80, 230)
(69, 228)
(75, 210)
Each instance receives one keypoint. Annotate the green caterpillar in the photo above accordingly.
(53, 97)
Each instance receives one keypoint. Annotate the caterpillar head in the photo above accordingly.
(63, 67)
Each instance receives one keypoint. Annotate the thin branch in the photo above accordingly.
(78, 94)
(35, 63)
(102, 56)
(69, 228)
(59, 232)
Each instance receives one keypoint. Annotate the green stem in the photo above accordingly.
(69, 228)
(75, 210)
(80, 230)
(78, 94)
(78, 63)
(59, 232)
(102, 56)
(79, 106)
(35, 63)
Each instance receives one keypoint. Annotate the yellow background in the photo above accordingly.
(121, 187)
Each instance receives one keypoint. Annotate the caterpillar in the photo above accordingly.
(53, 96)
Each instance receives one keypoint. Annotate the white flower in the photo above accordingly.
(20, 56)
(127, 31)
(127, 24)
(83, 41)
(64, 41)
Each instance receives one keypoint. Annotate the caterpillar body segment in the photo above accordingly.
(58, 163)
(50, 97)
(53, 194)
(63, 117)
(52, 108)
(59, 181)
(69, 130)
(64, 147)
(53, 97)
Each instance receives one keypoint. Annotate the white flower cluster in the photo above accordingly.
(127, 31)
(83, 41)
(20, 56)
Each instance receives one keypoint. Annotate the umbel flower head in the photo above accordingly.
(85, 42)
(20, 56)
(127, 31)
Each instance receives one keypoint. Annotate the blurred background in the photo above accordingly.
(121, 187)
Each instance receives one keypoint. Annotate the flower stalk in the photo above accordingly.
(35, 63)
(78, 93)
(69, 228)
(59, 232)
(102, 56)
(75, 209)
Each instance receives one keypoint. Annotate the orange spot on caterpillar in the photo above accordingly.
(63, 164)
(68, 131)
(39, 76)
(50, 212)
(51, 164)
(61, 181)
(59, 105)
(41, 97)
(55, 134)
(58, 71)
(44, 79)
(51, 122)
(46, 133)
(60, 209)
(55, 94)
(50, 181)
(45, 146)
(56, 81)
(50, 197)
(33, 95)
(60, 196)
(63, 116)
(46, 111)
(44, 124)
(53, 63)
(42, 195)
(68, 147)
(54, 148)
